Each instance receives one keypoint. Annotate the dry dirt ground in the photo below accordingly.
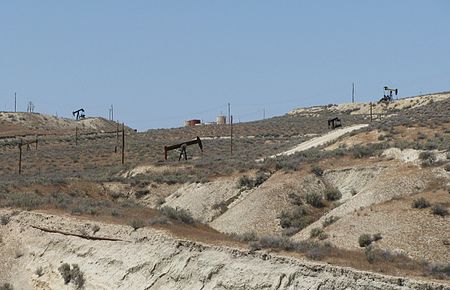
(82, 202)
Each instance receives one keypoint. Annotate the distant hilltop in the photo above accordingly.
(21, 123)
(377, 107)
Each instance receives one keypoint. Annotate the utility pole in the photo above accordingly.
(353, 92)
(229, 110)
(20, 157)
(371, 112)
(15, 102)
(117, 138)
(264, 113)
(123, 143)
(231, 135)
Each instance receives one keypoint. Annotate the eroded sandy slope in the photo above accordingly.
(116, 257)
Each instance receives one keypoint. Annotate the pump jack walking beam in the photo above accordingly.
(183, 146)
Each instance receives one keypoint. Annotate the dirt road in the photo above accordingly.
(321, 140)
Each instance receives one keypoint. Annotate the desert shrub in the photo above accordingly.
(137, 224)
(370, 253)
(353, 192)
(39, 271)
(447, 167)
(440, 271)
(318, 252)
(363, 151)
(160, 201)
(141, 192)
(317, 170)
(77, 277)
(332, 194)
(245, 237)
(160, 220)
(221, 206)
(364, 240)
(421, 136)
(245, 182)
(4, 220)
(295, 199)
(178, 214)
(276, 242)
(295, 220)
(314, 199)
(420, 203)
(64, 270)
(329, 220)
(260, 178)
(440, 210)
(6, 286)
(427, 157)
(376, 237)
(318, 233)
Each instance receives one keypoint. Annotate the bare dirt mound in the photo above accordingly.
(205, 201)
(35, 123)
(117, 257)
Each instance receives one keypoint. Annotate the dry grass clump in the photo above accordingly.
(440, 210)
(6, 286)
(420, 203)
(178, 214)
(73, 275)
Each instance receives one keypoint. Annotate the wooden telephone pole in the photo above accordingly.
(231, 135)
(123, 143)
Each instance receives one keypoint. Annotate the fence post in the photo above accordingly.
(20, 157)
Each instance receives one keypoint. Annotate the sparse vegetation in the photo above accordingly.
(329, 220)
(438, 270)
(318, 233)
(314, 199)
(332, 194)
(137, 224)
(440, 210)
(246, 182)
(364, 240)
(4, 220)
(420, 203)
(73, 275)
(178, 214)
(295, 220)
(160, 220)
(317, 170)
(428, 158)
(6, 286)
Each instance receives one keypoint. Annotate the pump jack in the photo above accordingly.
(388, 95)
(183, 146)
(79, 114)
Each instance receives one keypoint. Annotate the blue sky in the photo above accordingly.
(161, 62)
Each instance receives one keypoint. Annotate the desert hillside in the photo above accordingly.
(296, 205)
